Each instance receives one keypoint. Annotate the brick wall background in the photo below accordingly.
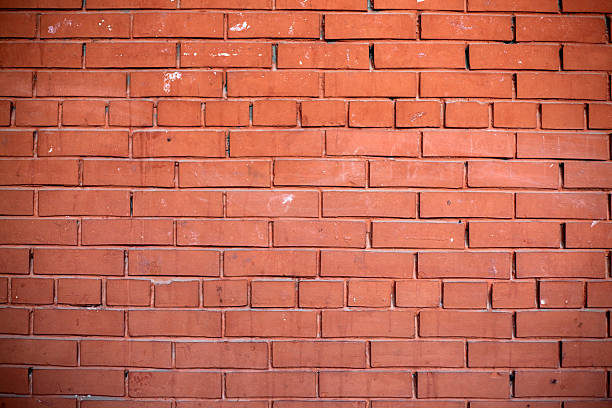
(305, 203)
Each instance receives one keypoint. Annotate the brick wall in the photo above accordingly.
(305, 203)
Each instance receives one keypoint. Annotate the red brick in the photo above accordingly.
(586, 6)
(371, 113)
(270, 384)
(514, 56)
(16, 83)
(323, 56)
(227, 113)
(367, 323)
(365, 384)
(221, 355)
(81, 25)
(514, 5)
(273, 25)
(130, 55)
(587, 57)
(563, 145)
(276, 143)
(323, 113)
(274, 113)
(79, 322)
(515, 114)
(434, 323)
(468, 143)
(513, 354)
(598, 294)
(321, 294)
(40, 55)
(417, 114)
(130, 113)
(466, 204)
(222, 233)
(465, 295)
(417, 293)
(370, 84)
(319, 354)
(419, 404)
(128, 232)
(369, 204)
(417, 353)
(128, 173)
(32, 291)
(370, 26)
(273, 294)
(18, 25)
(79, 291)
(178, 144)
(203, 25)
(396, 173)
(181, 323)
(178, 203)
(38, 231)
(419, 55)
(389, 234)
(372, 142)
(226, 173)
(128, 292)
(272, 83)
(562, 116)
(586, 353)
(560, 384)
(466, 27)
(177, 294)
(225, 293)
(561, 294)
(349, 173)
(14, 321)
(351, 234)
(176, 83)
(561, 205)
(16, 143)
(551, 85)
(561, 29)
(587, 175)
(587, 404)
(190, 384)
(588, 235)
(466, 85)
(230, 54)
(38, 352)
(138, 4)
(36, 113)
(14, 380)
(463, 384)
(367, 264)
(513, 174)
(228, 4)
(83, 113)
(170, 262)
(83, 143)
(125, 353)
(561, 324)
(466, 114)
(270, 263)
(280, 203)
(17, 202)
(523, 234)
(83, 202)
(322, 5)
(513, 295)
(78, 381)
(49, 261)
(418, 5)
(179, 113)
(600, 116)
(3, 290)
(248, 323)
(370, 293)
(560, 264)
(70, 83)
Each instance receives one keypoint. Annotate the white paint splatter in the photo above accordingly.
(169, 78)
(288, 199)
(240, 26)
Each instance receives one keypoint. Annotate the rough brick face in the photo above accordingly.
(305, 203)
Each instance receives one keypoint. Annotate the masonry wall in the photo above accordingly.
(305, 203)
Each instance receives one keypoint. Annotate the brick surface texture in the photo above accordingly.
(305, 203)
